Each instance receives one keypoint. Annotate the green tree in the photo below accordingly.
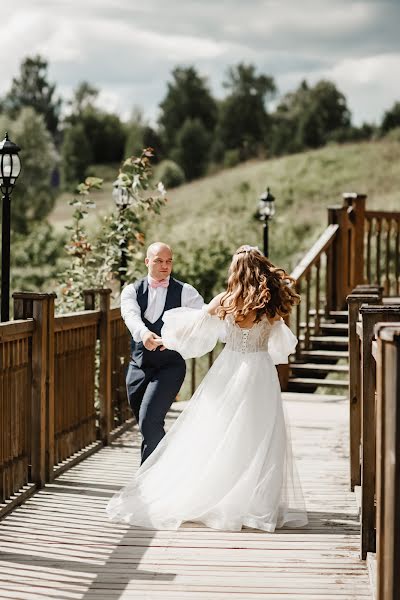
(32, 89)
(134, 132)
(243, 117)
(84, 97)
(105, 133)
(391, 118)
(308, 118)
(192, 148)
(33, 197)
(76, 154)
(188, 97)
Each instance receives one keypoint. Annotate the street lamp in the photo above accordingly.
(10, 167)
(266, 210)
(122, 200)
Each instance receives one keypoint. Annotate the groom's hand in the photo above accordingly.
(151, 340)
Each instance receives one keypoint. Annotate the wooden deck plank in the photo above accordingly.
(60, 545)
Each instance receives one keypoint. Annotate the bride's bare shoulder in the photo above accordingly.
(215, 303)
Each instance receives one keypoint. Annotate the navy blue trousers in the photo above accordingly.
(151, 391)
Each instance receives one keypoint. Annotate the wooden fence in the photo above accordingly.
(62, 384)
(374, 408)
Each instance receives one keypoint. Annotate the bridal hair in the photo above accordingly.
(255, 284)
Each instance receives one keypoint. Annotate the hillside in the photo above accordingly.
(221, 207)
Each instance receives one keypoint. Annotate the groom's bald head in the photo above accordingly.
(159, 260)
(156, 248)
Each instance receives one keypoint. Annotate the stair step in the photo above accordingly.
(319, 368)
(312, 382)
(335, 328)
(325, 354)
(339, 314)
(330, 340)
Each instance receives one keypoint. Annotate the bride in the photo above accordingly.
(226, 462)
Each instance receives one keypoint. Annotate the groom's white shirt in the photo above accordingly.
(130, 309)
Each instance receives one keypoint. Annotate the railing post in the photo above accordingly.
(388, 461)
(338, 262)
(370, 315)
(356, 211)
(354, 302)
(40, 307)
(346, 264)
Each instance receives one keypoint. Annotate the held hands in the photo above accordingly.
(152, 341)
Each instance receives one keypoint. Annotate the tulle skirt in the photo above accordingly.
(226, 462)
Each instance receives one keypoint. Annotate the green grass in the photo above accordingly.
(222, 206)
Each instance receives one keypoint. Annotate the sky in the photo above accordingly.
(128, 48)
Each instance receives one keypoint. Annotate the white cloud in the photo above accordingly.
(128, 48)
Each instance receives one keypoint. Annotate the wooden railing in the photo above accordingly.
(62, 389)
(16, 404)
(363, 415)
(386, 351)
(313, 277)
(382, 250)
(74, 427)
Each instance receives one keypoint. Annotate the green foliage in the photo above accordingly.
(84, 97)
(76, 154)
(188, 97)
(220, 208)
(33, 198)
(308, 118)
(35, 258)
(393, 135)
(32, 89)
(243, 119)
(192, 148)
(134, 133)
(100, 134)
(203, 267)
(96, 260)
(391, 118)
(231, 158)
(169, 173)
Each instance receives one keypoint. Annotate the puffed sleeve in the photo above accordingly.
(281, 342)
(190, 331)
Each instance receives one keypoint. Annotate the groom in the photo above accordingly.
(155, 374)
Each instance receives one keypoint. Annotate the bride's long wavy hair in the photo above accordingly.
(255, 284)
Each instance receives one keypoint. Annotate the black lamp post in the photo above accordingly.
(266, 210)
(122, 200)
(10, 167)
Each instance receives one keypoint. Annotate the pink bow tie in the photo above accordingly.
(154, 283)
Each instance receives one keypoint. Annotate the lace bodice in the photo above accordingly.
(243, 340)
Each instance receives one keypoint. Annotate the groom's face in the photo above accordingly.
(159, 264)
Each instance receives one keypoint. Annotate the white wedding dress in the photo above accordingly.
(227, 460)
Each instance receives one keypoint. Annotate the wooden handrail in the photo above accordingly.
(382, 214)
(322, 243)
(14, 329)
(77, 319)
(115, 313)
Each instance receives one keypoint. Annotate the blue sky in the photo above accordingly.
(128, 48)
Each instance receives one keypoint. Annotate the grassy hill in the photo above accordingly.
(222, 206)
(219, 208)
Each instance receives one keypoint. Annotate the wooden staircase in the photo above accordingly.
(325, 362)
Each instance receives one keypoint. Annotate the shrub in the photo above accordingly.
(170, 174)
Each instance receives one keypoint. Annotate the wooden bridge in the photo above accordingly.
(68, 442)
